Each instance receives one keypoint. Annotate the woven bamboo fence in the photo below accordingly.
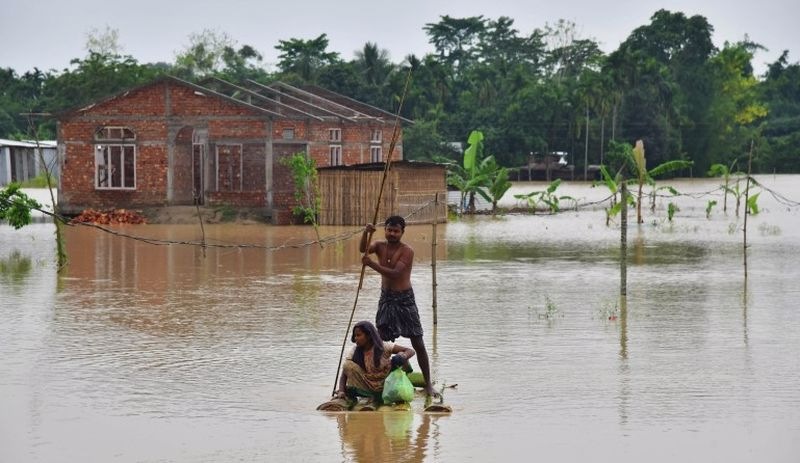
(349, 195)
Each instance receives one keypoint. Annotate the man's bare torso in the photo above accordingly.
(398, 256)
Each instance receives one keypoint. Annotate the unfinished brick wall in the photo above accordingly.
(283, 187)
(298, 128)
(149, 112)
(355, 142)
(78, 192)
(164, 115)
(182, 181)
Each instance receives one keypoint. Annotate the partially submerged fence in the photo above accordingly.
(349, 194)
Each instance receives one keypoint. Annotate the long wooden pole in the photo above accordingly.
(623, 241)
(433, 255)
(746, 198)
(586, 146)
(395, 135)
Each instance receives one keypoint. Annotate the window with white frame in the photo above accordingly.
(115, 166)
(377, 136)
(288, 133)
(336, 155)
(334, 135)
(115, 158)
(375, 153)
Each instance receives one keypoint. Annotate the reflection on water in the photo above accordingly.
(15, 268)
(386, 436)
(140, 352)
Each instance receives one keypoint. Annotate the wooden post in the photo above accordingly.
(586, 147)
(433, 255)
(623, 246)
(746, 197)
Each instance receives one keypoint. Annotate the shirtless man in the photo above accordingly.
(397, 310)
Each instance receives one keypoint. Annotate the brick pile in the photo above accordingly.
(110, 217)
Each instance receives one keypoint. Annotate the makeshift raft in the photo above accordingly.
(431, 405)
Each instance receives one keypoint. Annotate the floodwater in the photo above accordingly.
(155, 353)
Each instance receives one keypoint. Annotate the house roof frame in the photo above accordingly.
(339, 95)
(295, 98)
(264, 97)
(157, 81)
(319, 97)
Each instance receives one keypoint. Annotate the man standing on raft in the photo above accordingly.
(397, 310)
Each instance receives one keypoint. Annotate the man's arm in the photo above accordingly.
(406, 352)
(362, 246)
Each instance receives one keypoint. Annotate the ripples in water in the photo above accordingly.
(224, 357)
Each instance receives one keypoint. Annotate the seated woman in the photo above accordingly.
(368, 363)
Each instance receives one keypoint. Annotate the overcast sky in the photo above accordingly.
(49, 33)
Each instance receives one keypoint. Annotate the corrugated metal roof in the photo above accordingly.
(27, 143)
(382, 165)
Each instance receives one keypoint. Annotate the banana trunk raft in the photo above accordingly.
(431, 405)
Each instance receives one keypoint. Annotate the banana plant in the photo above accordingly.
(752, 204)
(672, 208)
(644, 176)
(640, 165)
(475, 178)
(497, 182)
(710, 205)
(654, 194)
(546, 197)
(721, 170)
(738, 192)
(479, 175)
(613, 185)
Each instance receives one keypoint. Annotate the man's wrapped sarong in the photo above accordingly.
(398, 315)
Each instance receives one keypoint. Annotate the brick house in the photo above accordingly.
(172, 142)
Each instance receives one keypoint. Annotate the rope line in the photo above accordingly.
(344, 236)
(347, 235)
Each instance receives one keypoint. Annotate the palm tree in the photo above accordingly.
(374, 64)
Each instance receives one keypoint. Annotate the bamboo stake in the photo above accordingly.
(623, 246)
(202, 229)
(395, 136)
(433, 255)
(746, 196)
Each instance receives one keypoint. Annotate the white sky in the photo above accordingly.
(49, 33)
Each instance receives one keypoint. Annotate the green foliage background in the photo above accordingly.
(529, 92)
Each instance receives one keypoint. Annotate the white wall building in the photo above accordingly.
(20, 160)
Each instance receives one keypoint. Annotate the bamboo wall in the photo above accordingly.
(349, 196)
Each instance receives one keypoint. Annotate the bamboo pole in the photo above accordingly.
(746, 197)
(433, 255)
(395, 136)
(202, 228)
(623, 246)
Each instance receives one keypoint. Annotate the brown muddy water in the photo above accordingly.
(147, 353)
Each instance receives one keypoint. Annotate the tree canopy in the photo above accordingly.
(539, 91)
